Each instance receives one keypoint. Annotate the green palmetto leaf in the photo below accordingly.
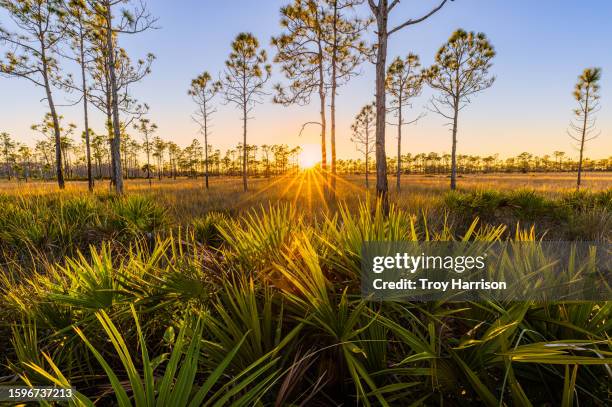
(569, 386)
(58, 379)
(120, 393)
(177, 387)
(562, 352)
(479, 387)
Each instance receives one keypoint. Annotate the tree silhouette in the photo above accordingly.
(559, 157)
(202, 91)
(99, 151)
(159, 146)
(381, 11)
(8, 148)
(78, 18)
(319, 50)
(362, 128)
(146, 128)
(300, 52)
(582, 128)
(132, 21)
(32, 53)
(461, 70)
(25, 155)
(245, 75)
(346, 51)
(403, 83)
(100, 93)
(174, 152)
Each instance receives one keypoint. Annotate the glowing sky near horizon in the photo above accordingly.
(541, 49)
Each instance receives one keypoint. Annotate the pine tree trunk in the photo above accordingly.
(90, 180)
(382, 187)
(109, 129)
(399, 144)
(334, 85)
(205, 145)
(244, 147)
(367, 156)
(582, 139)
(116, 143)
(56, 126)
(322, 113)
(7, 164)
(453, 180)
(148, 163)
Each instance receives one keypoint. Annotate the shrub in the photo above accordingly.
(137, 214)
(206, 228)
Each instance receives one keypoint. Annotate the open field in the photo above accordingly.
(186, 199)
(417, 192)
(543, 182)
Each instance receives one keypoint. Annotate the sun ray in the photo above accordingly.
(272, 184)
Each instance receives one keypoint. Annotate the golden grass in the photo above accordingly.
(543, 182)
(187, 198)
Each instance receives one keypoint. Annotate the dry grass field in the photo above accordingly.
(187, 197)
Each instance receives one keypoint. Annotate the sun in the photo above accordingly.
(310, 155)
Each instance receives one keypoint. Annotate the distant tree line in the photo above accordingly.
(152, 157)
(434, 163)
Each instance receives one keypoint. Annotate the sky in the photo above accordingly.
(542, 47)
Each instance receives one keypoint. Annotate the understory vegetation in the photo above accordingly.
(131, 304)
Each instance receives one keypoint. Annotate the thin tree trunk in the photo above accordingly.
(7, 164)
(382, 187)
(244, 147)
(453, 180)
(399, 143)
(366, 167)
(584, 127)
(126, 162)
(116, 144)
(333, 103)
(56, 126)
(109, 129)
(148, 161)
(90, 180)
(205, 144)
(322, 113)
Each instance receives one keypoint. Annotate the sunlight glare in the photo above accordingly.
(309, 156)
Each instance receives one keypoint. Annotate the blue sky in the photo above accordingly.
(542, 46)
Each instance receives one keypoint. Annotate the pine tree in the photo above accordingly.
(362, 128)
(33, 53)
(78, 17)
(582, 129)
(403, 83)
(245, 75)
(346, 51)
(300, 52)
(381, 11)
(202, 91)
(146, 128)
(132, 21)
(461, 70)
(7, 144)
